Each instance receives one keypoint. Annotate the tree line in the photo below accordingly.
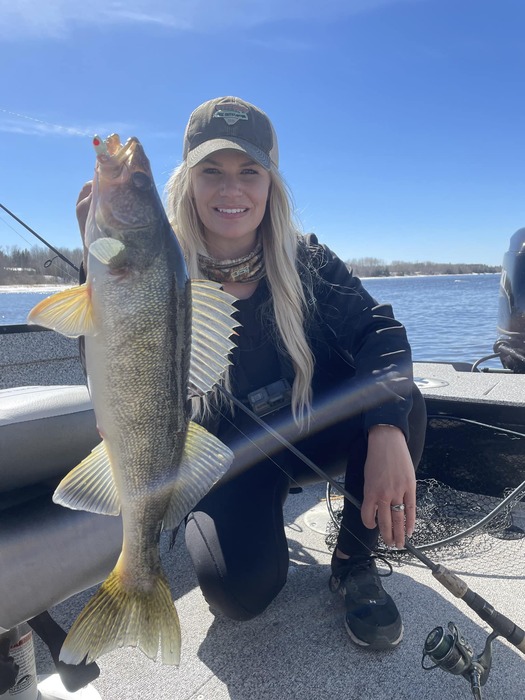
(38, 265)
(374, 267)
(41, 266)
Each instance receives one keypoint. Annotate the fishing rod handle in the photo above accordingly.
(451, 582)
(499, 623)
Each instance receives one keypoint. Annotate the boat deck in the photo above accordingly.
(495, 393)
(299, 647)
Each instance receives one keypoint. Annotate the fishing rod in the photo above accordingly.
(448, 651)
(43, 240)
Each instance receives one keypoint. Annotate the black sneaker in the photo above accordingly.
(372, 618)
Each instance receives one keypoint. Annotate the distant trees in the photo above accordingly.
(38, 266)
(374, 267)
(41, 266)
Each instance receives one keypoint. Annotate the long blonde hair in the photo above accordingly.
(280, 237)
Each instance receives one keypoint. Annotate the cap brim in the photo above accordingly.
(208, 147)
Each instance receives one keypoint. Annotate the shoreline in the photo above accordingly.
(21, 288)
(440, 274)
(14, 288)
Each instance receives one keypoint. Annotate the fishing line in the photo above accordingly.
(68, 129)
(286, 443)
(501, 624)
(43, 240)
(6, 223)
(299, 454)
(482, 425)
(511, 497)
(324, 476)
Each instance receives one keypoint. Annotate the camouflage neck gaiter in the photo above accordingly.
(248, 268)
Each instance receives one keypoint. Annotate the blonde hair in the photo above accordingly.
(280, 237)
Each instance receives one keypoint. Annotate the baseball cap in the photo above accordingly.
(229, 122)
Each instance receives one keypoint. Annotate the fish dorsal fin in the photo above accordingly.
(90, 485)
(212, 328)
(69, 312)
(205, 459)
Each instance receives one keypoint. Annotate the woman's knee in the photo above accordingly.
(242, 598)
(239, 587)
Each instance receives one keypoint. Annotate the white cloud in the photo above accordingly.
(56, 18)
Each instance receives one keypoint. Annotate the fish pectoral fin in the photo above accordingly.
(108, 251)
(119, 615)
(204, 461)
(90, 485)
(212, 328)
(69, 312)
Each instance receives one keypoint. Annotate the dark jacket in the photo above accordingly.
(353, 339)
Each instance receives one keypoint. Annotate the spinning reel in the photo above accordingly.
(451, 652)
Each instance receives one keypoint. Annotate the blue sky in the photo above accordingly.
(400, 122)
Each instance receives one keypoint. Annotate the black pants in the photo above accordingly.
(235, 535)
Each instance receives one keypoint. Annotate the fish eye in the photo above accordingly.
(141, 181)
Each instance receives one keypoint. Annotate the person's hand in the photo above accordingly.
(389, 480)
(83, 204)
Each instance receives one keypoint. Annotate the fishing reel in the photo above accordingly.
(451, 652)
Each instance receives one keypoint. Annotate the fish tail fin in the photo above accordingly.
(117, 617)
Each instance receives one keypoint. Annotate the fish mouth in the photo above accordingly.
(125, 197)
(120, 162)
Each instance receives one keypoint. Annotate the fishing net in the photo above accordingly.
(470, 492)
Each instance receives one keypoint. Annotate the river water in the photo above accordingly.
(447, 317)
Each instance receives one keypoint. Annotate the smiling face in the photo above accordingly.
(230, 191)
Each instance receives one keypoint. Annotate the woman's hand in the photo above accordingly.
(389, 480)
(83, 204)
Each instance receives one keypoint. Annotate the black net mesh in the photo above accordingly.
(470, 492)
(473, 457)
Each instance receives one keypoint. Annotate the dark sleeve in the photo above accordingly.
(375, 342)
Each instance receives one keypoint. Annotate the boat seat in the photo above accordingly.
(47, 552)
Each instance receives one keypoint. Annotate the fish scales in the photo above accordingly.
(136, 313)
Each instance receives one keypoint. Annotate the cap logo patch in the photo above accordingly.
(231, 113)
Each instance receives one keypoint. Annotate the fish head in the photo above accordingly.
(126, 207)
(125, 203)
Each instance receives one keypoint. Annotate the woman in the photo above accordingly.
(316, 356)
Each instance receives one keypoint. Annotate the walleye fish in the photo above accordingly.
(152, 338)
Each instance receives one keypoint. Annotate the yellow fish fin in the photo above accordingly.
(90, 485)
(204, 461)
(119, 615)
(212, 328)
(69, 312)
